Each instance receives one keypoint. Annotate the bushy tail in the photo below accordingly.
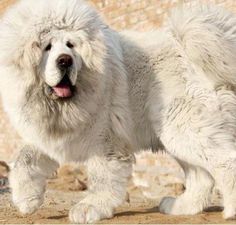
(206, 35)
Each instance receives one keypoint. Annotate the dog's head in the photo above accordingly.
(54, 43)
(60, 55)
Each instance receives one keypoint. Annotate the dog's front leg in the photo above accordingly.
(107, 189)
(28, 179)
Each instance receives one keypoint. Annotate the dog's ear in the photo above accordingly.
(28, 56)
(93, 51)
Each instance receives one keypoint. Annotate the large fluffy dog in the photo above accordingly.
(77, 91)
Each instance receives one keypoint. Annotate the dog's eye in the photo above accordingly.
(48, 48)
(69, 45)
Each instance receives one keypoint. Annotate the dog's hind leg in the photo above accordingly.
(204, 135)
(28, 179)
(225, 176)
(198, 187)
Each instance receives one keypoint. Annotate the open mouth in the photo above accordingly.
(64, 89)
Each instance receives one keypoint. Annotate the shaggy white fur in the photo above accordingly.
(175, 87)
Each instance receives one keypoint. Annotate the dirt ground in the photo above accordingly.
(55, 211)
(57, 204)
(66, 188)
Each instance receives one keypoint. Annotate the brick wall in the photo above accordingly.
(143, 14)
(136, 14)
(120, 14)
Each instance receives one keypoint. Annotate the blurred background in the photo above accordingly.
(154, 175)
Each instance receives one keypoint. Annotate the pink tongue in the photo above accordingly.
(62, 90)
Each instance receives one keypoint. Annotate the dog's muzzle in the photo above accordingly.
(64, 89)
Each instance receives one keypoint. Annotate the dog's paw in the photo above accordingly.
(29, 205)
(166, 205)
(229, 213)
(178, 206)
(86, 213)
(27, 196)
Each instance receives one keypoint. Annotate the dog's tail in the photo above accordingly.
(206, 36)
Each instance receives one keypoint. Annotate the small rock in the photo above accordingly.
(80, 185)
(4, 169)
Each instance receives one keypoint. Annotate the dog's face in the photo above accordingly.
(60, 65)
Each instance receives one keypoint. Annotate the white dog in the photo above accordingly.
(78, 91)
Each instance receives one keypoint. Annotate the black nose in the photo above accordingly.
(64, 62)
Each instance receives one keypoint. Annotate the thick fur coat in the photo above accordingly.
(174, 88)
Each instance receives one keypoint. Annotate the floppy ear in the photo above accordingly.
(28, 56)
(93, 51)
